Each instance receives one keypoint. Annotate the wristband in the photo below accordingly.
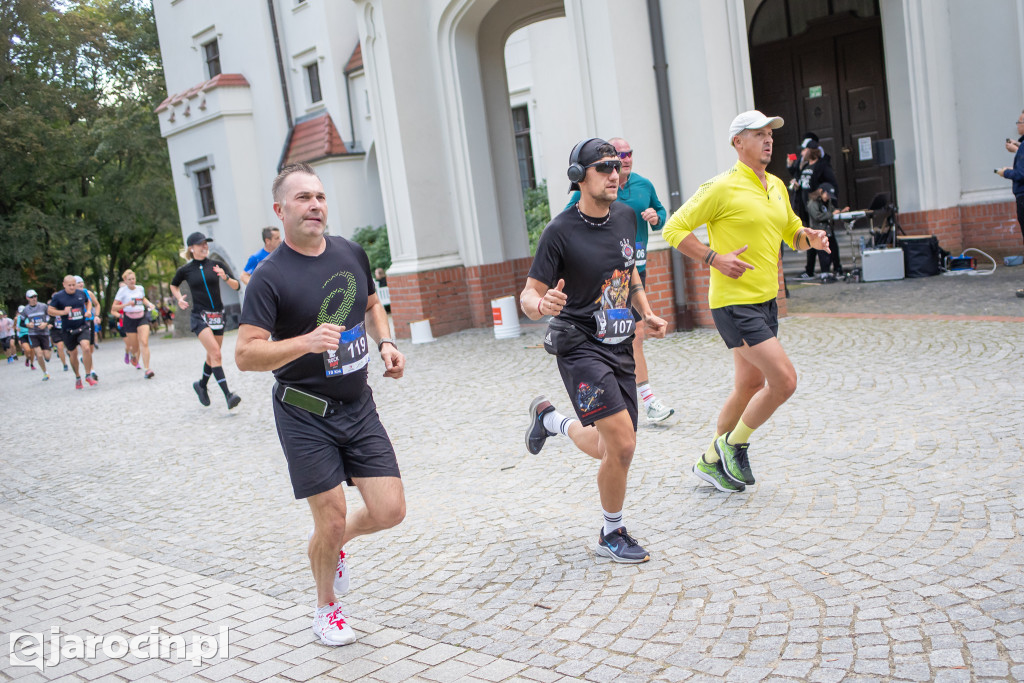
(386, 340)
(539, 302)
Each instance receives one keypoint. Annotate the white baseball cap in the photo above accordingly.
(752, 120)
(30, 293)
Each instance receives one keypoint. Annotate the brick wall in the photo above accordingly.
(458, 298)
(990, 227)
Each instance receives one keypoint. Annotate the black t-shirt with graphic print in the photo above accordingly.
(203, 283)
(291, 294)
(596, 262)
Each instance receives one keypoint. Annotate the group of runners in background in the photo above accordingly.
(70, 321)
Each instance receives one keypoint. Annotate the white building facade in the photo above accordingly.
(420, 104)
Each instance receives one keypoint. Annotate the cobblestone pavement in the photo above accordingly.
(882, 541)
(968, 295)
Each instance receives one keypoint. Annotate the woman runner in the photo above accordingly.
(202, 275)
(131, 302)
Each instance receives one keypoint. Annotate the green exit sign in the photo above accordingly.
(814, 91)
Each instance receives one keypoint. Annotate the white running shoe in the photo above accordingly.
(657, 411)
(341, 578)
(330, 627)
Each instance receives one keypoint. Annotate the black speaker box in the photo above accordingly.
(920, 255)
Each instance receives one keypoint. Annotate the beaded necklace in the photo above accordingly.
(590, 222)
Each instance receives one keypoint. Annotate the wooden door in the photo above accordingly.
(829, 81)
(865, 114)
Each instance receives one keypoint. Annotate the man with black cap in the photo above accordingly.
(637, 192)
(584, 274)
(747, 216)
(203, 276)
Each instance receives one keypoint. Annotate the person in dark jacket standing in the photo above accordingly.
(1016, 172)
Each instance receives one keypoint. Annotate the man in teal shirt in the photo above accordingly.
(638, 193)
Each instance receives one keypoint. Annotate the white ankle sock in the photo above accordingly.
(556, 423)
(646, 393)
(612, 521)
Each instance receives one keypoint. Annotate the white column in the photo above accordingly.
(710, 83)
(922, 102)
(400, 60)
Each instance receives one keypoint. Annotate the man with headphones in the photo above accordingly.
(637, 192)
(584, 275)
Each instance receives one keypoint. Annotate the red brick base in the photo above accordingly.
(459, 298)
(991, 228)
(455, 298)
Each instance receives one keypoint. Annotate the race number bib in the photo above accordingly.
(76, 314)
(56, 322)
(614, 325)
(351, 354)
(641, 255)
(214, 319)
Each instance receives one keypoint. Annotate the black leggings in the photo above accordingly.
(1020, 213)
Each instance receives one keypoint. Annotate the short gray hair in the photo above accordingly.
(301, 167)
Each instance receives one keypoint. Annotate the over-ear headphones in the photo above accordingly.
(577, 171)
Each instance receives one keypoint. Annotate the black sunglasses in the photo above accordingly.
(606, 167)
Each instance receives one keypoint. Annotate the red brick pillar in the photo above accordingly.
(455, 298)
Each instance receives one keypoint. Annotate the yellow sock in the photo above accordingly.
(740, 434)
(711, 455)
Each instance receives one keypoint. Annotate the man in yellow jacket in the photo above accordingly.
(748, 215)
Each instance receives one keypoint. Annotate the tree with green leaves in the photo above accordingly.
(86, 187)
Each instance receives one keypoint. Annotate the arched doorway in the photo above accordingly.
(820, 65)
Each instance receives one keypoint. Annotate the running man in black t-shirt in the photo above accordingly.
(203, 276)
(584, 274)
(311, 315)
(74, 309)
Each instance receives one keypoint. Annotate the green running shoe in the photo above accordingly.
(734, 457)
(714, 474)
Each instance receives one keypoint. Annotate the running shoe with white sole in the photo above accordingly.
(536, 434)
(621, 547)
(714, 474)
(330, 627)
(734, 460)
(45, 377)
(341, 576)
(658, 411)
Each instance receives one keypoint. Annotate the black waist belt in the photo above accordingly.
(318, 405)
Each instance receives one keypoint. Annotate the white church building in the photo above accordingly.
(431, 116)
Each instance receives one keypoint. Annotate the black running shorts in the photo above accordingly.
(750, 323)
(72, 338)
(39, 341)
(600, 380)
(197, 324)
(132, 325)
(322, 452)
